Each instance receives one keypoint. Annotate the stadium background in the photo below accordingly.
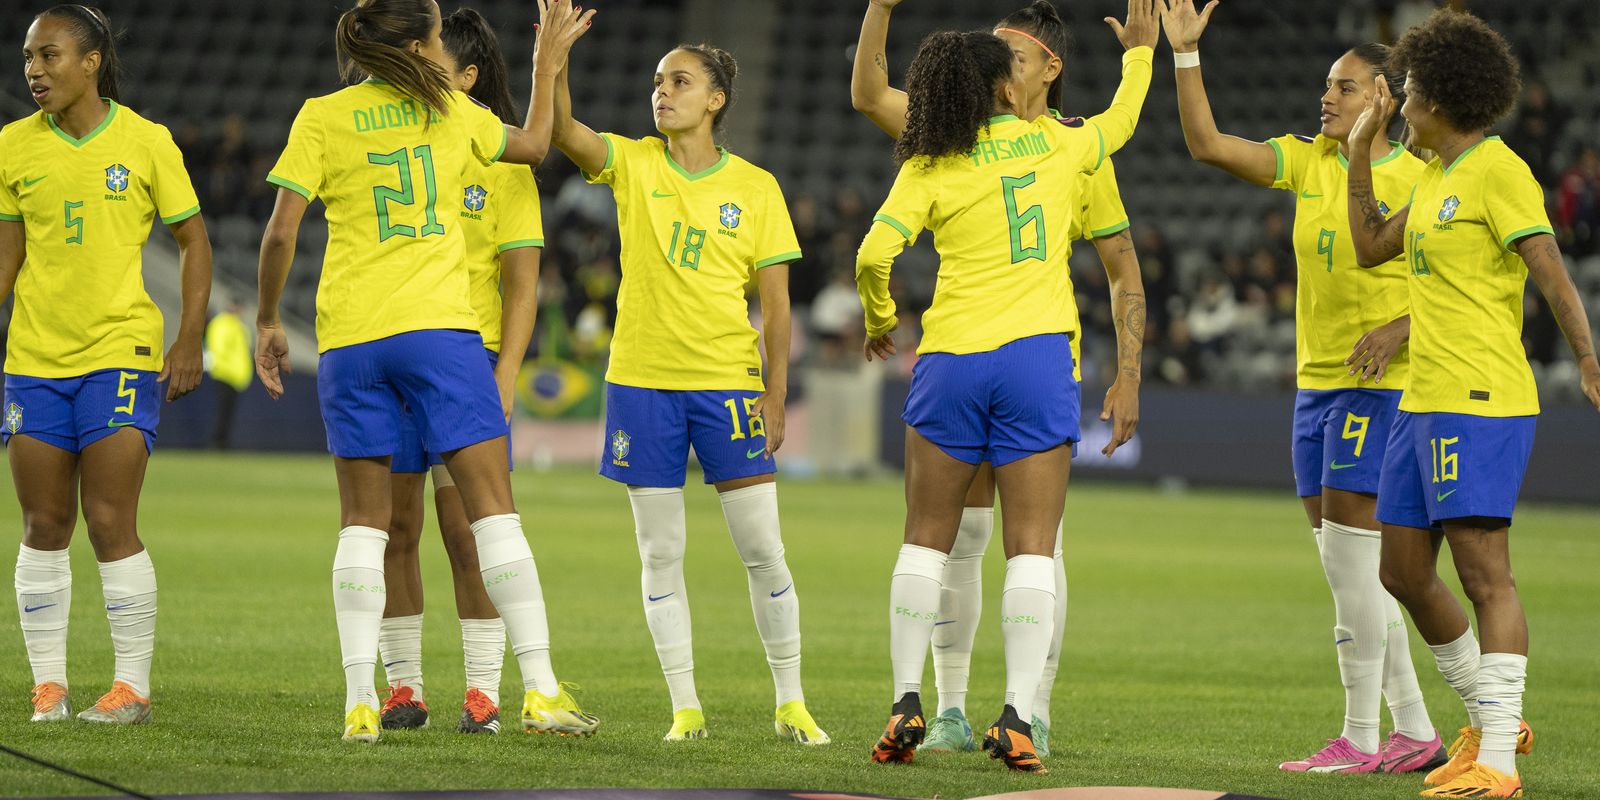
(227, 78)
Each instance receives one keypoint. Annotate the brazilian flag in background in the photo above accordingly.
(559, 389)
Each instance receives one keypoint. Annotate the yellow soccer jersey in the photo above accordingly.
(86, 206)
(690, 245)
(1336, 301)
(1003, 219)
(499, 212)
(388, 178)
(1467, 279)
(1103, 213)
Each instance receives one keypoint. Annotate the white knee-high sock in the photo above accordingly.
(129, 588)
(400, 648)
(659, 526)
(960, 606)
(1458, 662)
(358, 598)
(483, 644)
(1350, 561)
(1500, 682)
(752, 516)
(913, 609)
(1027, 612)
(512, 580)
(1400, 687)
(1052, 662)
(44, 603)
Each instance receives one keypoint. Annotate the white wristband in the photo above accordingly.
(1186, 60)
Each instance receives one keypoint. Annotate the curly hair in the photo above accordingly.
(950, 87)
(1460, 64)
(1041, 21)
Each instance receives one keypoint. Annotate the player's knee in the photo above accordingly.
(1486, 586)
(107, 521)
(660, 553)
(460, 548)
(1404, 584)
(405, 532)
(47, 529)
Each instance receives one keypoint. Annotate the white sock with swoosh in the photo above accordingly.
(660, 529)
(960, 606)
(1360, 635)
(752, 515)
(44, 603)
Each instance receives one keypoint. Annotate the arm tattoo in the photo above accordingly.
(1387, 237)
(883, 63)
(1129, 322)
(1550, 273)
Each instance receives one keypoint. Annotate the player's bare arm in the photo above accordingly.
(1549, 272)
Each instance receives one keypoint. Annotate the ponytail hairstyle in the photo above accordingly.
(471, 42)
(92, 29)
(951, 87)
(721, 68)
(1376, 57)
(372, 39)
(1041, 21)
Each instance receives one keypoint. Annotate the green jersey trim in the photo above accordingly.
(180, 216)
(611, 157)
(778, 259)
(1277, 149)
(1101, 158)
(505, 139)
(285, 183)
(1395, 149)
(1004, 118)
(110, 115)
(1117, 228)
(893, 223)
(694, 176)
(10, 218)
(1467, 151)
(520, 243)
(1525, 232)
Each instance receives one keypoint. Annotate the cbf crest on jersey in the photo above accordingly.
(117, 178)
(476, 197)
(1448, 210)
(13, 417)
(729, 214)
(1383, 208)
(620, 445)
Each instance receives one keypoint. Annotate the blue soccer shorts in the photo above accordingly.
(1447, 466)
(414, 457)
(1340, 436)
(649, 432)
(73, 413)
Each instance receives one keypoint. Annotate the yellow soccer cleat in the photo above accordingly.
(362, 725)
(794, 722)
(1478, 780)
(688, 723)
(558, 715)
(1464, 753)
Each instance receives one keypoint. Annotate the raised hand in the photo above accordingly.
(561, 24)
(1143, 26)
(1379, 110)
(1183, 24)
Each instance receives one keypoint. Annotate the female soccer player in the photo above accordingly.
(1471, 234)
(79, 183)
(1039, 40)
(1342, 411)
(395, 321)
(499, 213)
(697, 224)
(995, 381)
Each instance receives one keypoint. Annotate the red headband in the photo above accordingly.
(1030, 38)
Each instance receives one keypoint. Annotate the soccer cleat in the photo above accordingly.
(903, 733)
(687, 723)
(1463, 753)
(50, 703)
(1339, 756)
(948, 733)
(1401, 753)
(559, 714)
(1478, 780)
(1011, 740)
(402, 710)
(794, 722)
(479, 714)
(1041, 737)
(362, 725)
(120, 706)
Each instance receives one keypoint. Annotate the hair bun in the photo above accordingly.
(726, 59)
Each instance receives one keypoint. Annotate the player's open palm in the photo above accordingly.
(1183, 24)
(272, 358)
(1376, 116)
(1142, 27)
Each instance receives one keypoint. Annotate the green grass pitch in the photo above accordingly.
(1197, 655)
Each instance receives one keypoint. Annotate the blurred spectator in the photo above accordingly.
(1578, 204)
(1537, 132)
(230, 364)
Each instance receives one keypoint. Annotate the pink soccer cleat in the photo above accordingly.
(1401, 753)
(1339, 756)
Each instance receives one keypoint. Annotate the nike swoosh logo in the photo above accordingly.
(116, 424)
(1440, 498)
(653, 598)
(26, 182)
(31, 609)
(119, 608)
(1488, 702)
(780, 592)
(657, 194)
(1337, 465)
(1309, 196)
(388, 664)
(1342, 641)
(943, 622)
(754, 453)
